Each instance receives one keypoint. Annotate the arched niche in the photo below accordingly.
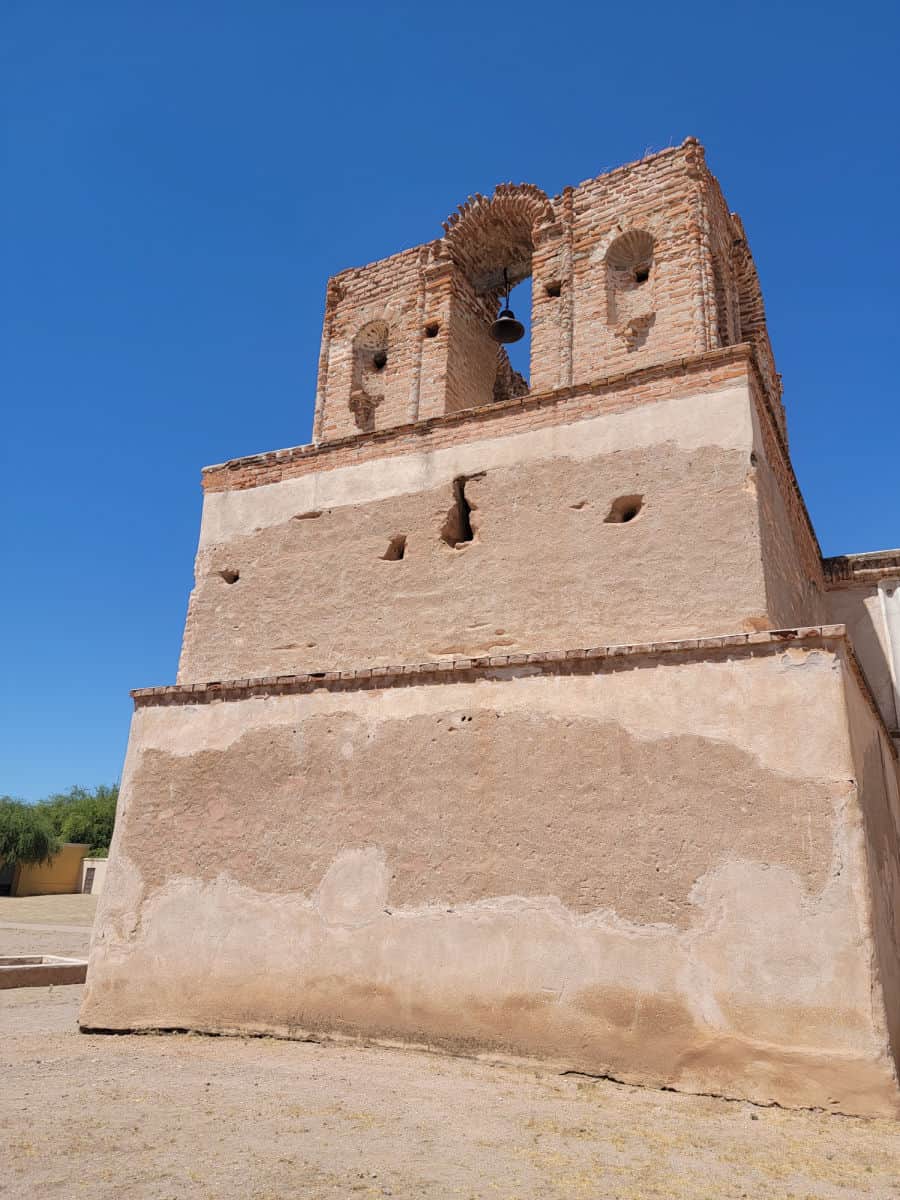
(631, 285)
(370, 358)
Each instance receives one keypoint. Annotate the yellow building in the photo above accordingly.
(63, 873)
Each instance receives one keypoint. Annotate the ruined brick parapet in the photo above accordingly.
(640, 266)
(868, 568)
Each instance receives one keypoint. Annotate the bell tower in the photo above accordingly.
(509, 717)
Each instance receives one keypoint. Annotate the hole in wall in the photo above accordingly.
(457, 529)
(379, 360)
(396, 548)
(230, 575)
(641, 273)
(580, 505)
(432, 329)
(625, 509)
(554, 288)
(308, 516)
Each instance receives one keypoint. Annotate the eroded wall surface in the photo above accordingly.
(876, 770)
(655, 870)
(791, 559)
(317, 586)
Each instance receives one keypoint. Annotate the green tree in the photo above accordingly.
(82, 815)
(26, 834)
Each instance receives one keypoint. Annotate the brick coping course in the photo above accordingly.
(561, 662)
(216, 476)
(858, 569)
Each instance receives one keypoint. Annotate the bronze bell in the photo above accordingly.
(506, 329)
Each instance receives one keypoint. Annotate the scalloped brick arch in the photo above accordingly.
(631, 249)
(487, 234)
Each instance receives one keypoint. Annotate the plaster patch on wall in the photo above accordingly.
(354, 889)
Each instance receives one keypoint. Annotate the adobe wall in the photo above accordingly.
(878, 781)
(545, 568)
(388, 798)
(790, 553)
(648, 864)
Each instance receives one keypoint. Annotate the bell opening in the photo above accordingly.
(518, 349)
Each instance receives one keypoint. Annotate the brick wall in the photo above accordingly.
(639, 266)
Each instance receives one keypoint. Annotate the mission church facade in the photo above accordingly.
(524, 718)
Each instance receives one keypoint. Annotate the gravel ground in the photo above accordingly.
(173, 1116)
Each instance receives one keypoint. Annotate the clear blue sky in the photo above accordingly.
(181, 178)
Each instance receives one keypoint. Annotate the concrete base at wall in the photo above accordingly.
(674, 865)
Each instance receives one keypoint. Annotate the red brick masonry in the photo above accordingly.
(861, 568)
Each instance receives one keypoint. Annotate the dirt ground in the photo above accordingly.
(175, 1116)
(48, 910)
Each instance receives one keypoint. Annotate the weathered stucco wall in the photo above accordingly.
(655, 871)
(545, 568)
(878, 781)
(791, 559)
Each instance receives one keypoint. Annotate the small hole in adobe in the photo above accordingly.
(641, 274)
(396, 548)
(554, 288)
(230, 575)
(625, 509)
(379, 358)
(432, 329)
